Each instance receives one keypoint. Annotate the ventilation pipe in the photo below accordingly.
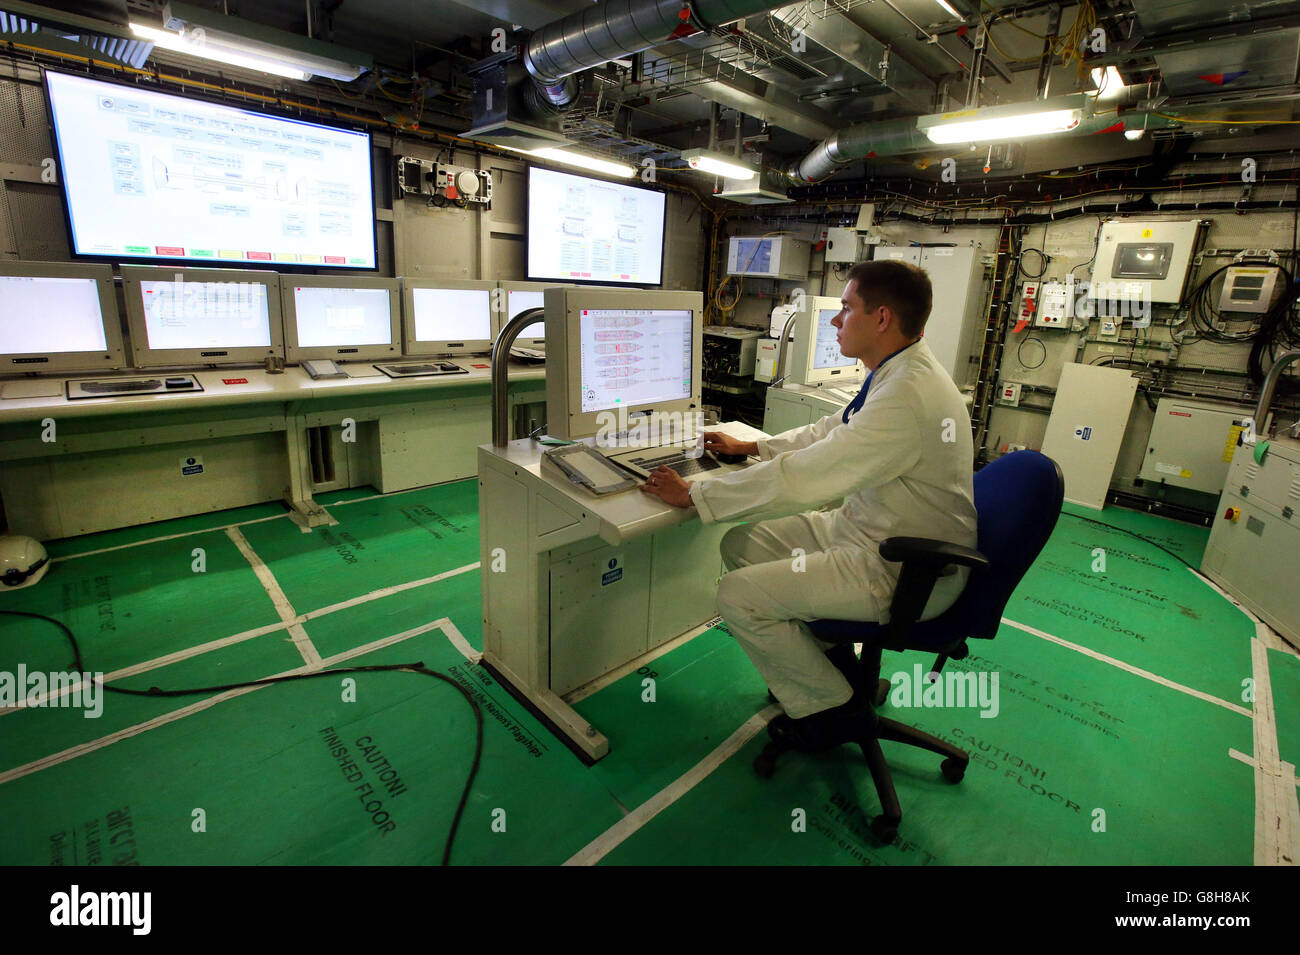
(618, 28)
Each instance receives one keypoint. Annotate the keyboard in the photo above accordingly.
(427, 368)
(677, 461)
(120, 387)
(842, 395)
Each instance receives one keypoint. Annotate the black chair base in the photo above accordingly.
(884, 826)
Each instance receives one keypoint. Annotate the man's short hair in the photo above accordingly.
(904, 287)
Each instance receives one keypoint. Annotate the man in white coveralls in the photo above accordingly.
(899, 457)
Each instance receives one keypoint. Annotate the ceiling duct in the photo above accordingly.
(618, 28)
(101, 25)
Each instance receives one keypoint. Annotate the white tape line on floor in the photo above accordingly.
(610, 839)
(278, 598)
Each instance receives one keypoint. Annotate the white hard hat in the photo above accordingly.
(23, 562)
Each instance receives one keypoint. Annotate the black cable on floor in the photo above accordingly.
(417, 667)
(1124, 530)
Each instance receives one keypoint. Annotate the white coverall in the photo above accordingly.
(901, 465)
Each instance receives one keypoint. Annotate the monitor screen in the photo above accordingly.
(46, 315)
(180, 314)
(589, 230)
(452, 315)
(633, 357)
(826, 350)
(148, 175)
(517, 302)
(342, 317)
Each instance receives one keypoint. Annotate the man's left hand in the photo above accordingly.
(667, 485)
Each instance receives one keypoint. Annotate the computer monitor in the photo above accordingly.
(446, 317)
(613, 355)
(817, 356)
(58, 317)
(201, 316)
(342, 317)
(518, 296)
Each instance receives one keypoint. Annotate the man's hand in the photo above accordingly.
(667, 485)
(721, 443)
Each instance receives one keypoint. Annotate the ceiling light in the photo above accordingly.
(200, 46)
(1134, 133)
(995, 123)
(947, 6)
(583, 161)
(1108, 82)
(209, 34)
(716, 164)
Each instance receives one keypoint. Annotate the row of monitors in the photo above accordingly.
(60, 317)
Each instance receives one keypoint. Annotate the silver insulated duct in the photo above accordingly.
(618, 28)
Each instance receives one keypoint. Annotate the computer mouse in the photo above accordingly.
(730, 458)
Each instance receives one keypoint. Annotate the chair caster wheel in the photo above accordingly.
(765, 765)
(953, 770)
(884, 830)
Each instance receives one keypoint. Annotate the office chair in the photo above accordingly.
(1017, 501)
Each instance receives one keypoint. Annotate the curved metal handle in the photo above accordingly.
(778, 373)
(1270, 385)
(500, 373)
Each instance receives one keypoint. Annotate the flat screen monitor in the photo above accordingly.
(614, 355)
(519, 296)
(446, 317)
(58, 317)
(201, 316)
(819, 358)
(150, 176)
(591, 231)
(341, 317)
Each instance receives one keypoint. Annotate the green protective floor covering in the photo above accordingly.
(703, 690)
(1041, 770)
(377, 543)
(1105, 590)
(1073, 734)
(125, 536)
(133, 605)
(297, 774)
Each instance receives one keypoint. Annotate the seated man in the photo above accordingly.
(899, 457)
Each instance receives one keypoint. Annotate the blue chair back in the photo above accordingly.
(1017, 501)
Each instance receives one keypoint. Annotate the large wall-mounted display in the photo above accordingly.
(149, 176)
(589, 230)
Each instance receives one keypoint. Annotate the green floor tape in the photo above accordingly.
(71, 546)
(274, 774)
(1284, 676)
(376, 544)
(703, 690)
(130, 606)
(1144, 608)
(1153, 759)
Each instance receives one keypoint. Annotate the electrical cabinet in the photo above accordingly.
(1192, 444)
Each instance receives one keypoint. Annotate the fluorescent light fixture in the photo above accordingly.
(1108, 82)
(947, 6)
(1134, 133)
(583, 161)
(997, 123)
(205, 47)
(716, 164)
